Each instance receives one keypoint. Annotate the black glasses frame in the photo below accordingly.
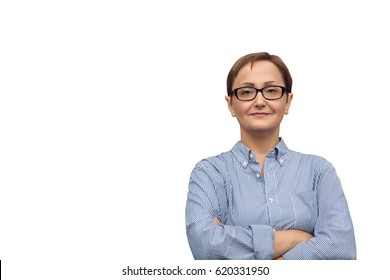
(234, 91)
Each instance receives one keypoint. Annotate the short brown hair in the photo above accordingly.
(252, 58)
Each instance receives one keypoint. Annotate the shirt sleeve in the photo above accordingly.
(208, 198)
(334, 237)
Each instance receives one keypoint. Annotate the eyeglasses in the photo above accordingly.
(250, 93)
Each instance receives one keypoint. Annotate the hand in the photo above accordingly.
(302, 237)
(285, 240)
(216, 221)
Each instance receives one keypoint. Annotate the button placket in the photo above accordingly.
(270, 192)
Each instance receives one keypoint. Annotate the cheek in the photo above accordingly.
(241, 108)
(279, 109)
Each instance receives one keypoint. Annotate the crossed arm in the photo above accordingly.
(209, 238)
(284, 240)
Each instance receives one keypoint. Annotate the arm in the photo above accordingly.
(284, 240)
(333, 233)
(207, 205)
(208, 198)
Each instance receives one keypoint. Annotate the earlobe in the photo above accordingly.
(289, 99)
(230, 106)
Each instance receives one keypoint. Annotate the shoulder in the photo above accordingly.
(315, 168)
(316, 162)
(299, 159)
(215, 167)
(214, 163)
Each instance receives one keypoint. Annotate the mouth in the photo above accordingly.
(259, 114)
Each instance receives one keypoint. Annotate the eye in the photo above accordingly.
(272, 90)
(246, 91)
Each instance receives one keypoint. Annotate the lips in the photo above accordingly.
(259, 114)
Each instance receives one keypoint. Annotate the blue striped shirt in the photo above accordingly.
(297, 191)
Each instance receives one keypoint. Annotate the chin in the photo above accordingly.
(258, 128)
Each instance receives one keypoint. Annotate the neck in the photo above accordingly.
(260, 142)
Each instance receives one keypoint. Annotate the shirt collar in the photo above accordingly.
(243, 153)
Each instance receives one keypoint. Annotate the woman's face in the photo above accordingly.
(259, 115)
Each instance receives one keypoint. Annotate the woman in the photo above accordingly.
(261, 200)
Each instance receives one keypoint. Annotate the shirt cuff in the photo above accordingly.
(263, 242)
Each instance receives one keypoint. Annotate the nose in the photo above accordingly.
(259, 100)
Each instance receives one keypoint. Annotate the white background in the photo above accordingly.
(106, 106)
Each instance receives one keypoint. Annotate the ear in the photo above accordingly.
(230, 105)
(288, 104)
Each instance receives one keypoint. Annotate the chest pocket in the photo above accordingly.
(305, 210)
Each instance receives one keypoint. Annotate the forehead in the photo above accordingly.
(259, 73)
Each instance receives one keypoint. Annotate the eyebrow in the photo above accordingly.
(252, 84)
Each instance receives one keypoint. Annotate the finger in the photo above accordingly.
(216, 221)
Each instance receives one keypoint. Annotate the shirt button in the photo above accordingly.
(267, 173)
(258, 175)
(270, 199)
(251, 156)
